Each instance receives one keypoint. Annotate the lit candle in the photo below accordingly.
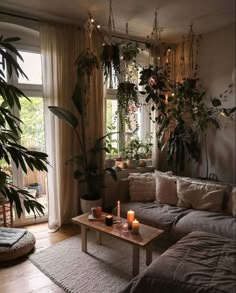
(109, 220)
(135, 226)
(130, 218)
(118, 209)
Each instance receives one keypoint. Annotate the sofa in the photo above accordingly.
(158, 204)
(198, 217)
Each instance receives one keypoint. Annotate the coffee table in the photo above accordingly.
(143, 239)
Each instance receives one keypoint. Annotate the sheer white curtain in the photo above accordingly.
(60, 46)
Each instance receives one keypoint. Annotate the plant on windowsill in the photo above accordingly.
(131, 152)
(87, 162)
(11, 149)
(109, 147)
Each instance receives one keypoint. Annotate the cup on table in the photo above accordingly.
(96, 212)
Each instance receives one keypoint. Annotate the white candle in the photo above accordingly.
(135, 226)
(130, 218)
(118, 209)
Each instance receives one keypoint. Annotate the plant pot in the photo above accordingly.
(86, 204)
(132, 164)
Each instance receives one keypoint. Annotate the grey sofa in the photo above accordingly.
(177, 221)
(202, 253)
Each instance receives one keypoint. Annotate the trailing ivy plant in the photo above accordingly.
(110, 59)
(11, 149)
(128, 103)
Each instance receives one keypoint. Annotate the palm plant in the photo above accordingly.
(87, 167)
(11, 149)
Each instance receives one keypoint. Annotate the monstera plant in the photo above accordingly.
(11, 149)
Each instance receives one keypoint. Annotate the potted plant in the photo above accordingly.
(128, 103)
(87, 168)
(131, 152)
(110, 59)
(11, 149)
(129, 51)
(109, 147)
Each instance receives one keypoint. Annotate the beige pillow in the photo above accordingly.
(233, 197)
(166, 192)
(142, 187)
(199, 196)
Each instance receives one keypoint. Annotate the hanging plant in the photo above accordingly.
(87, 62)
(128, 103)
(156, 85)
(110, 60)
(129, 51)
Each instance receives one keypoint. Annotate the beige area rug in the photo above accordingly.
(106, 268)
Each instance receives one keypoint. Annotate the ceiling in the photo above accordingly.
(174, 16)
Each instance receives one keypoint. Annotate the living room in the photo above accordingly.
(191, 49)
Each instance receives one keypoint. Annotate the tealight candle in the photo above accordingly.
(130, 218)
(109, 220)
(135, 226)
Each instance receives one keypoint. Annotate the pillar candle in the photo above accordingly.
(130, 218)
(118, 209)
(135, 226)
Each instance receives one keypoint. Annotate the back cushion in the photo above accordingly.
(199, 196)
(233, 198)
(166, 191)
(142, 187)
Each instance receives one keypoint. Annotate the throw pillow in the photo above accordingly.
(233, 196)
(166, 192)
(199, 196)
(142, 187)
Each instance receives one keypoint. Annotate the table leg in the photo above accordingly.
(98, 237)
(149, 254)
(135, 260)
(84, 238)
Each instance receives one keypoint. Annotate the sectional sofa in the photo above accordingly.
(199, 219)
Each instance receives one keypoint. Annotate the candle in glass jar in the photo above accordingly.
(135, 226)
(130, 218)
(118, 209)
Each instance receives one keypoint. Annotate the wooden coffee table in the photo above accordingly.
(143, 239)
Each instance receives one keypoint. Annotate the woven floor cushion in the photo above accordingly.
(20, 248)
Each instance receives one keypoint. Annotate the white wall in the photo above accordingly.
(216, 65)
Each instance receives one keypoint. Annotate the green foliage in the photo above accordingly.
(87, 168)
(110, 60)
(128, 102)
(129, 51)
(10, 132)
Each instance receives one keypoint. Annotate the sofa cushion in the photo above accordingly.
(200, 263)
(233, 198)
(166, 190)
(199, 196)
(153, 214)
(196, 220)
(142, 187)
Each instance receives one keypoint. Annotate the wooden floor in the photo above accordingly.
(22, 276)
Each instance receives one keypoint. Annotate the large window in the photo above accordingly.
(32, 126)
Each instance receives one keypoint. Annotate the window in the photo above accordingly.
(32, 126)
(139, 117)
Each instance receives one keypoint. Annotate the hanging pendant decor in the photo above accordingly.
(110, 54)
(192, 45)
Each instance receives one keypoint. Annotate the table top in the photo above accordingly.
(145, 236)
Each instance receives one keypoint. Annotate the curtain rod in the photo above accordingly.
(36, 20)
(19, 16)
